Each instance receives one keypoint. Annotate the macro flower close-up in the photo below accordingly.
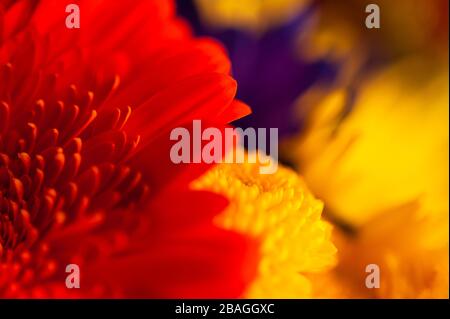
(363, 118)
(82, 120)
(282, 215)
(200, 149)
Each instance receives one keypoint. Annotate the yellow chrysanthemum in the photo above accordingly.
(383, 168)
(284, 217)
(253, 15)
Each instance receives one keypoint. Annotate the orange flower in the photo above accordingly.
(85, 175)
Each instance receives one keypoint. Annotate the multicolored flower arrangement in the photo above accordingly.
(86, 177)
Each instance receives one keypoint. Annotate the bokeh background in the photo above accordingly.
(86, 117)
(363, 117)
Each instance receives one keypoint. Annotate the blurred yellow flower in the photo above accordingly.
(284, 217)
(411, 250)
(382, 167)
(391, 149)
(253, 15)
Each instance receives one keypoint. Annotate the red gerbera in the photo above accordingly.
(85, 174)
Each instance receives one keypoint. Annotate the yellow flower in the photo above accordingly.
(410, 249)
(391, 149)
(253, 15)
(383, 169)
(284, 217)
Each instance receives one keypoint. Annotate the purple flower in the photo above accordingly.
(268, 68)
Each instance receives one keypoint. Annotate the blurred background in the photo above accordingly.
(281, 48)
(363, 117)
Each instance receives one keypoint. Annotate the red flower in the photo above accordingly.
(85, 174)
